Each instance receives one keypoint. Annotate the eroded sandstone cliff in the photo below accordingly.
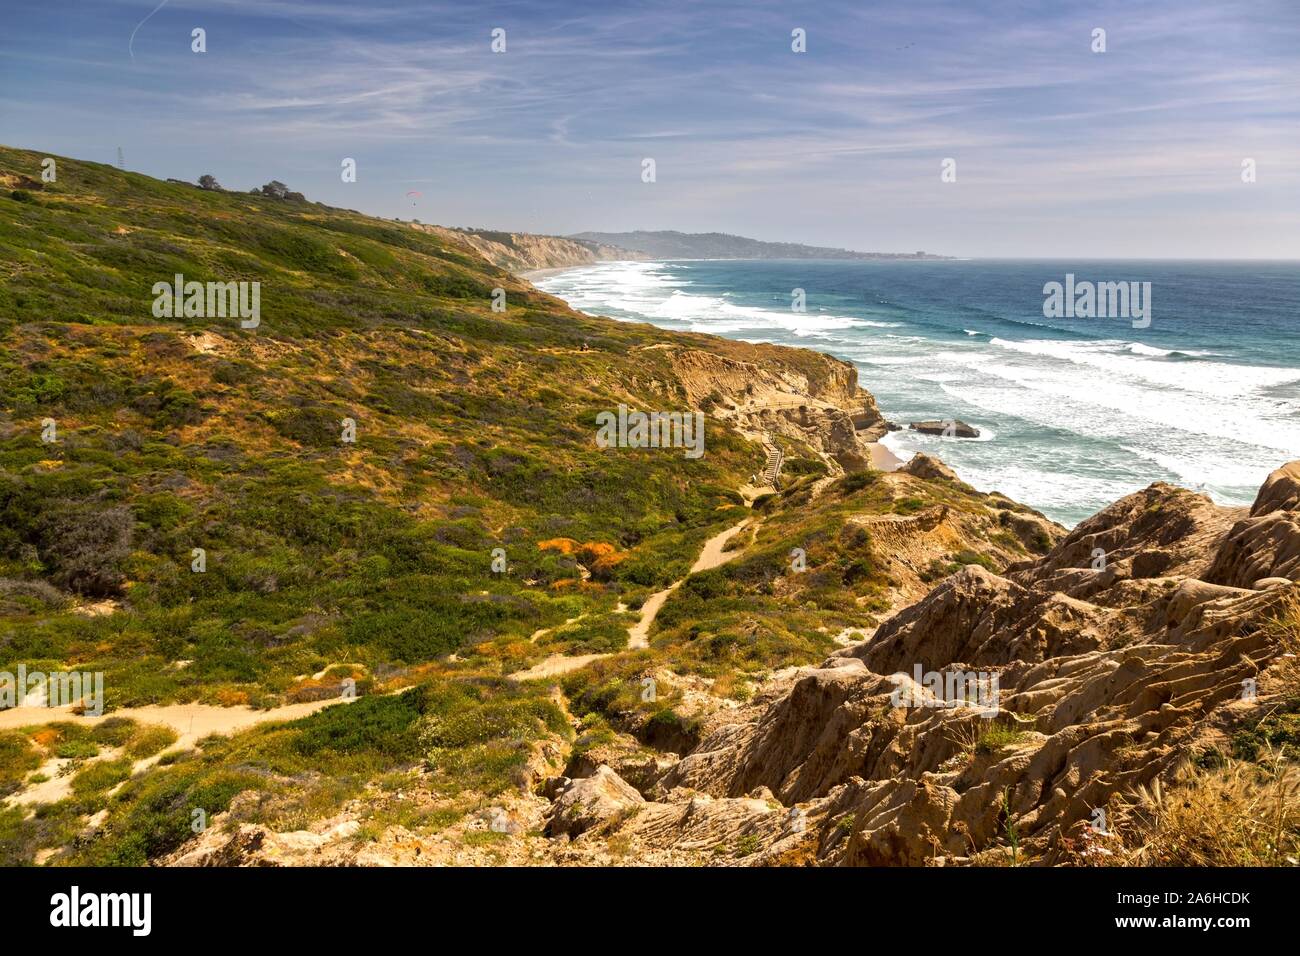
(524, 252)
(809, 397)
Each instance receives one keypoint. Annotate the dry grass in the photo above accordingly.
(1285, 627)
(1241, 814)
(965, 735)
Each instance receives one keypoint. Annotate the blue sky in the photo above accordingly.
(1060, 151)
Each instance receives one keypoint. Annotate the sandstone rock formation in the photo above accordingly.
(807, 396)
(923, 466)
(524, 252)
(592, 801)
(1119, 655)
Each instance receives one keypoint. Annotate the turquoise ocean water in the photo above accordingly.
(1074, 412)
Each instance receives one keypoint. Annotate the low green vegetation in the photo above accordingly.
(998, 736)
(182, 508)
(192, 433)
(458, 737)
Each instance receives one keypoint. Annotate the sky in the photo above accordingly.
(1060, 151)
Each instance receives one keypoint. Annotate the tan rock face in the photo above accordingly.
(591, 802)
(812, 398)
(1265, 545)
(523, 252)
(924, 466)
(1112, 668)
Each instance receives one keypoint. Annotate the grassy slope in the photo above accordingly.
(475, 431)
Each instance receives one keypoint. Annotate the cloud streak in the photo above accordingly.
(841, 144)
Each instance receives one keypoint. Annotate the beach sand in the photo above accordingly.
(883, 459)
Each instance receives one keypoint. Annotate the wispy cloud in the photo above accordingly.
(841, 144)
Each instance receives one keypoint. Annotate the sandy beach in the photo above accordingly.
(883, 459)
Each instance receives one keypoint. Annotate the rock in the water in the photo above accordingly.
(951, 428)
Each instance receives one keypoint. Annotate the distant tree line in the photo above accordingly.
(272, 190)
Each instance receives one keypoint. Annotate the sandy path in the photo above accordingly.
(711, 556)
(191, 722)
(638, 635)
(556, 664)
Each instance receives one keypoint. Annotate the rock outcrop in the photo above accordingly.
(950, 428)
(1113, 659)
(806, 396)
(923, 466)
(589, 802)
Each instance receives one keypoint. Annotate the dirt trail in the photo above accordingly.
(191, 722)
(556, 664)
(638, 635)
(711, 556)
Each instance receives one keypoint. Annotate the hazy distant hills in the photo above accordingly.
(719, 245)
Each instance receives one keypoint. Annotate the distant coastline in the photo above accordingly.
(670, 244)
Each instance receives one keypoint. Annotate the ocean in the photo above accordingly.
(1073, 412)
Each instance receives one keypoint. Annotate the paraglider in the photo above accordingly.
(416, 194)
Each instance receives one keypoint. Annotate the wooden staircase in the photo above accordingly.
(772, 467)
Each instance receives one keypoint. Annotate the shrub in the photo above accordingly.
(805, 466)
(383, 725)
(17, 758)
(857, 481)
(100, 775)
(113, 731)
(149, 740)
(85, 546)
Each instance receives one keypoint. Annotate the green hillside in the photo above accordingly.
(371, 561)
(474, 431)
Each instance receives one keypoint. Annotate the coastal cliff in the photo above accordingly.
(811, 398)
(526, 252)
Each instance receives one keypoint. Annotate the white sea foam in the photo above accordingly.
(1210, 378)
(1091, 420)
(647, 289)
